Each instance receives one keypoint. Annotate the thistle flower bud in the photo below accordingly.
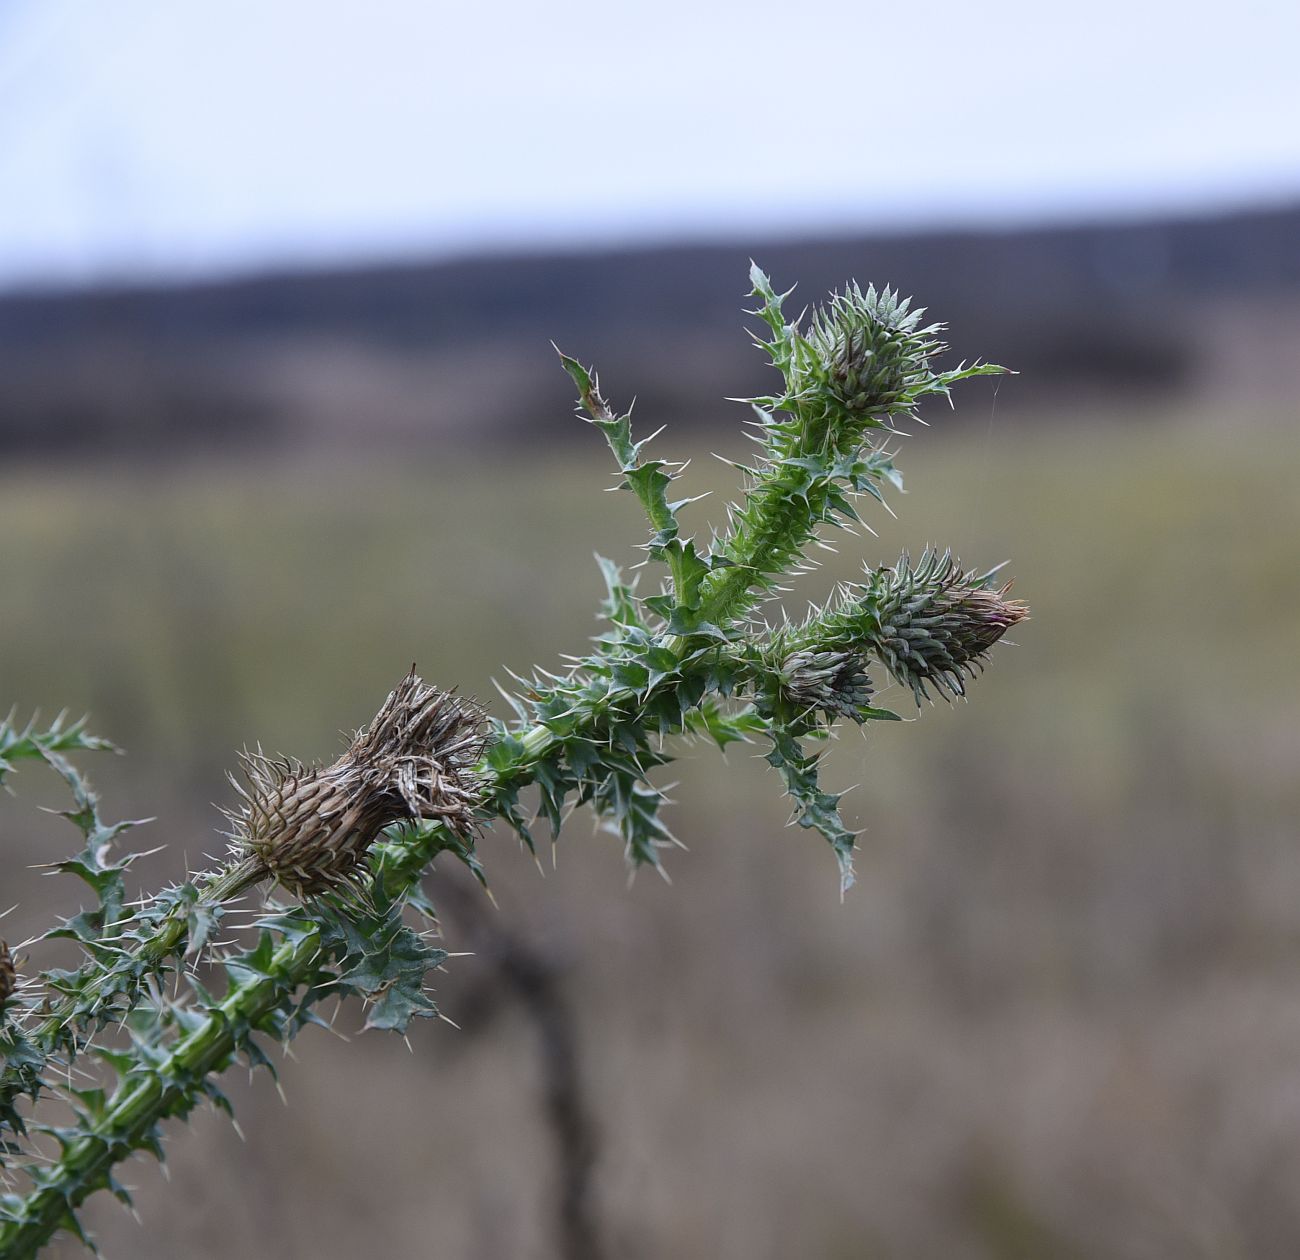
(8, 976)
(933, 624)
(309, 828)
(833, 683)
(871, 354)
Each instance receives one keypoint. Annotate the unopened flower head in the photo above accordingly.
(834, 683)
(870, 352)
(309, 827)
(933, 624)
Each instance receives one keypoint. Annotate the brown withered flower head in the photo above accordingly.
(308, 827)
(8, 975)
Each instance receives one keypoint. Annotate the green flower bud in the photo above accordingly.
(833, 683)
(870, 355)
(930, 624)
(933, 624)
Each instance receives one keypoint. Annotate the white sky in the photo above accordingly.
(157, 137)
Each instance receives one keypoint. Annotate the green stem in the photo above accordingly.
(149, 1093)
(779, 519)
(168, 939)
(727, 592)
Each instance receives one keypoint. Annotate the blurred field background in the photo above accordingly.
(1059, 1015)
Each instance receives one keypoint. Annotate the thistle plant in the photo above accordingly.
(98, 1056)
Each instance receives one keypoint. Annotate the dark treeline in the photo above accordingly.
(458, 350)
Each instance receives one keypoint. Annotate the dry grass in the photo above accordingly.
(1058, 1017)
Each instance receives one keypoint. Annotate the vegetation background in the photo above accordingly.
(1059, 1015)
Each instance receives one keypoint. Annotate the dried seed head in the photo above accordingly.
(834, 683)
(8, 975)
(934, 623)
(309, 827)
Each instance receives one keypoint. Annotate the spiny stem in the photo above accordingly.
(168, 940)
(149, 1093)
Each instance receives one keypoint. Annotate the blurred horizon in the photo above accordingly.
(533, 244)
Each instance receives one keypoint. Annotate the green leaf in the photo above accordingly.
(389, 971)
(814, 808)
